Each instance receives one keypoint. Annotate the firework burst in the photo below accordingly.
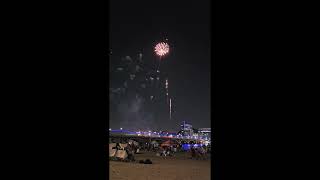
(161, 49)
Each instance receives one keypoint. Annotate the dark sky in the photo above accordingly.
(136, 26)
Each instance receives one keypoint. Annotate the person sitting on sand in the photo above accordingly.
(118, 146)
(164, 152)
(175, 149)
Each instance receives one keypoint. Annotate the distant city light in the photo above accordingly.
(120, 128)
(109, 129)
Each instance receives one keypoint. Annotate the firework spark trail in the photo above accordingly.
(170, 108)
(167, 90)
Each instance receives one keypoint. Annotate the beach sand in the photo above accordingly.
(179, 167)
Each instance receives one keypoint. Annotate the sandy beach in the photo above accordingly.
(179, 167)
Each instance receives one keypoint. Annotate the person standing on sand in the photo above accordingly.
(128, 150)
(164, 151)
(193, 152)
(202, 153)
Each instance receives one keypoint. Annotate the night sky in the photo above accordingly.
(136, 26)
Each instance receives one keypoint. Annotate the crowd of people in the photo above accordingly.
(199, 152)
(167, 150)
(131, 148)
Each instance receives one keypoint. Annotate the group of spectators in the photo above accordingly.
(199, 152)
(167, 150)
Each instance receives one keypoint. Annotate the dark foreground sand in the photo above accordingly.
(179, 167)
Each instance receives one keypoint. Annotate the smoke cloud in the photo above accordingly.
(134, 116)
